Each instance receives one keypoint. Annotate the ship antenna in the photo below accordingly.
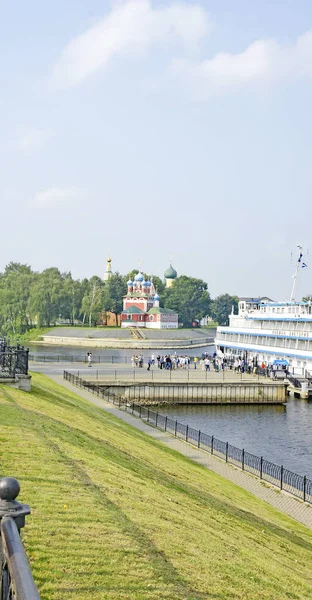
(295, 275)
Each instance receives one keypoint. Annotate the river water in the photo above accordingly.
(281, 434)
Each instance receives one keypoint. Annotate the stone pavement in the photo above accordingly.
(282, 501)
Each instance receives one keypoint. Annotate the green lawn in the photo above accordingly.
(29, 336)
(116, 515)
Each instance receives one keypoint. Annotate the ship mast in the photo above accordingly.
(295, 275)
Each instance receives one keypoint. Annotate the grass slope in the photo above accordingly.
(117, 515)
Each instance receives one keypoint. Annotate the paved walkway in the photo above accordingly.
(125, 373)
(282, 501)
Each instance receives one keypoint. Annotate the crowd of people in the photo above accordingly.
(206, 362)
(179, 361)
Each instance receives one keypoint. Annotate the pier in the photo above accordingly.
(183, 386)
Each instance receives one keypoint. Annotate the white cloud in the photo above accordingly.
(55, 196)
(129, 29)
(262, 61)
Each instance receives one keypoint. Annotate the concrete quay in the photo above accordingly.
(183, 386)
(128, 338)
(122, 344)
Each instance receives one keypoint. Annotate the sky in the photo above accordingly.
(155, 130)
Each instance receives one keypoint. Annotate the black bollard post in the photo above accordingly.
(15, 572)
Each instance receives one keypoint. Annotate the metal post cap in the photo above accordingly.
(9, 488)
(9, 507)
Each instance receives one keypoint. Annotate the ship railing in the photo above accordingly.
(294, 381)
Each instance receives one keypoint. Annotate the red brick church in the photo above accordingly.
(141, 306)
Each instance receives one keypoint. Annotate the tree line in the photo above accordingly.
(30, 299)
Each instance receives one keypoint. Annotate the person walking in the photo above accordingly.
(149, 363)
(195, 361)
(89, 359)
(207, 364)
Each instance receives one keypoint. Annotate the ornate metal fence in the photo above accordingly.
(16, 580)
(297, 485)
(13, 360)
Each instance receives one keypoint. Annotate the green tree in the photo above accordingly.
(92, 301)
(158, 284)
(74, 291)
(114, 290)
(221, 307)
(47, 297)
(15, 287)
(189, 297)
(307, 298)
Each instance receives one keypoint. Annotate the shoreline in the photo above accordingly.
(160, 344)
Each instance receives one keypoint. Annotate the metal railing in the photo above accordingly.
(13, 360)
(297, 485)
(16, 580)
(78, 358)
(154, 375)
(82, 358)
(294, 381)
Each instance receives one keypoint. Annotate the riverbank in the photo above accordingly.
(115, 513)
(280, 433)
(132, 344)
(116, 338)
(182, 386)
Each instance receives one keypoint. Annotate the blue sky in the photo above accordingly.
(158, 129)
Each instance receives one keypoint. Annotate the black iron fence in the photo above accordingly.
(78, 358)
(97, 358)
(13, 360)
(16, 580)
(297, 485)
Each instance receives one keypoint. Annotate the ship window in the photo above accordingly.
(273, 309)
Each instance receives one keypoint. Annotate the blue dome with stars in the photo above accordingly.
(139, 277)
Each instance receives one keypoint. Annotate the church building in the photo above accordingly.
(141, 306)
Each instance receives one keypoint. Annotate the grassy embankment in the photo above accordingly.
(36, 333)
(29, 336)
(117, 515)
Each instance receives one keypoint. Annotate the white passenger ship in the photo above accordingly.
(267, 331)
